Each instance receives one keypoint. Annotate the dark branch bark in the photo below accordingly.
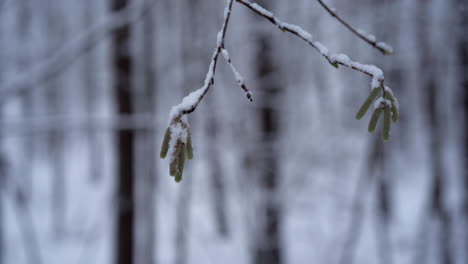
(123, 73)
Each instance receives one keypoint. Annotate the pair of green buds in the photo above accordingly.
(178, 143)
(386, 104)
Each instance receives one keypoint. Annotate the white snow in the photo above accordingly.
(381, 102)
(366, 35)
(342, 58)
(388, 90)
(385, 46)
(301, 32)
(321, 48)
(262, 10)
(371, 37)
(375, 72)
(219, 39)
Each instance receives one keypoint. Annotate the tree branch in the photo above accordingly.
(177, 135)
(333, 59)
(370, 39)
(191, 101)
(237, 75)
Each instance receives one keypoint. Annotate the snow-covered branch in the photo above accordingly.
(369, 38)
(191, 101)
(177, 141)
(177, 137)
(333, 59)
(239, 78)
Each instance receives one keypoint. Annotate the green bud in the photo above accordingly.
(365, 106)
(165, 143)
(395, 114)
(334, 64)
(386, 52)
(374, 119)
(386, 124)
(389, 97)
(189, 148)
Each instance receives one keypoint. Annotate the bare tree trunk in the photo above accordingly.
(360, 197)
(216, 173)
(183, 222)
(26, 226)
(437, 209)
(90, 85)
(147, 145)
(268, 246)
(463, 69)
(384, 210)
(122, 67)
(56, 137)
(187, 58)
(384, 178)
(23, 60)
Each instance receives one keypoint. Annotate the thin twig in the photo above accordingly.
(191, 101)
(333, 59)
(381, 46)
(237, 75)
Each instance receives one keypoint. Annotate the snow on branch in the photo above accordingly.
(177, 141)
(239, 78)
(333, 59)
(381, 46)
(191, 101)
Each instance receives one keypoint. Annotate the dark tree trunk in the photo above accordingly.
(268, 247)
(437, 209)
(371, 164)
(383, 171)
(145, 103)
(462, 6)
(95, 156)
(23, 56)
(122, 64)
(56, 137)
(214, 155)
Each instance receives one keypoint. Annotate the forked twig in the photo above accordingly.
(381, 46)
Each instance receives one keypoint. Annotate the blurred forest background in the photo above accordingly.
(86, 88)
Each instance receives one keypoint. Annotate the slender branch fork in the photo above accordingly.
(177, 140)
(370, 39)
(191, 101)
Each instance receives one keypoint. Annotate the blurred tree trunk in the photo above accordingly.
(268, 247)
(3, 174)
(212, 128)
(360, 197)
(91, 96)
(122, 69)
(56, 137)
(462, 6)
(147, 174)
(216, 173)
(23, 56)
(188, 58)
(384, 24)
(438, 213)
